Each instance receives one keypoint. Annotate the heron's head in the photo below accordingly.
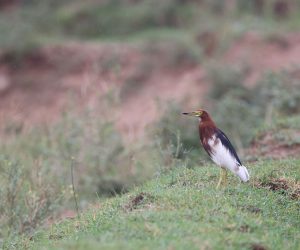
(201, 114)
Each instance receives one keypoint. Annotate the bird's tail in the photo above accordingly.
(243, 173)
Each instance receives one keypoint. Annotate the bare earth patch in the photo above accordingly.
(285, 186)
(256, 246)
(76, 76)
(276, 52)
(268, 146)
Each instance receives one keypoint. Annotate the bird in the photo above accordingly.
(219, 148)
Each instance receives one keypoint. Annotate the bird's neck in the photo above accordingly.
(207, 128)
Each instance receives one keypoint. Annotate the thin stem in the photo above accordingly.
(73, 186)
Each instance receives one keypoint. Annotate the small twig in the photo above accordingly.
(178, 146)
(73, 186)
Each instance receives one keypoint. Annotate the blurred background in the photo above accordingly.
(98, 86)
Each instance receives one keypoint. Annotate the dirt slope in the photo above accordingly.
(275, 53)
(73, 76)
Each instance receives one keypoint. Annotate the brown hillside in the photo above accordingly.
(54, 79)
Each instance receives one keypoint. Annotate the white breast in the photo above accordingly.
(221, 155)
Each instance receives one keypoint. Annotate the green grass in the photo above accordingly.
(182, 209)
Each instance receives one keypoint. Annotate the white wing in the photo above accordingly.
(222, 156)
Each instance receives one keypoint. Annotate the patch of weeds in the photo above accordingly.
(55, 237)
(243, 228)
(27, 197)
(168, 127)
(252, 209)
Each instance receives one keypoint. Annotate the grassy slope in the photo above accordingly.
(183, 210)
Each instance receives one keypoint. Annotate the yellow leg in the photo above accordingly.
(220, 179)
(223, 178)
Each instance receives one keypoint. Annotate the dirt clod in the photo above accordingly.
(295, 194)
(277, 184)
(244, 229)
(136, 201)
(256, 246)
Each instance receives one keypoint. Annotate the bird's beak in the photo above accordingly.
(194, 113)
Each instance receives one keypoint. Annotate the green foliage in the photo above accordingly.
(28, 197)
(183, 209)
(255, 6)
(19, 36)
(37, 183)
(238, 118)
(281, 90)
(234, 109)
(175, 130)
(37, 179)
(172, 123)
(240, 111)
(119, 18)
(34, 22)
(94, 143)
(225, 80)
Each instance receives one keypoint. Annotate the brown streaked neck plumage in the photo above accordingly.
(207, 127)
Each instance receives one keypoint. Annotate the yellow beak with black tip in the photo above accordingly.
(193, 113)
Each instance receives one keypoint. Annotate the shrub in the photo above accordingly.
(279, 92)
(28, 196)
(240, 111)
(177, 136)
(35, 184)
(238, 119)
(119, 18)
(226, 79)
